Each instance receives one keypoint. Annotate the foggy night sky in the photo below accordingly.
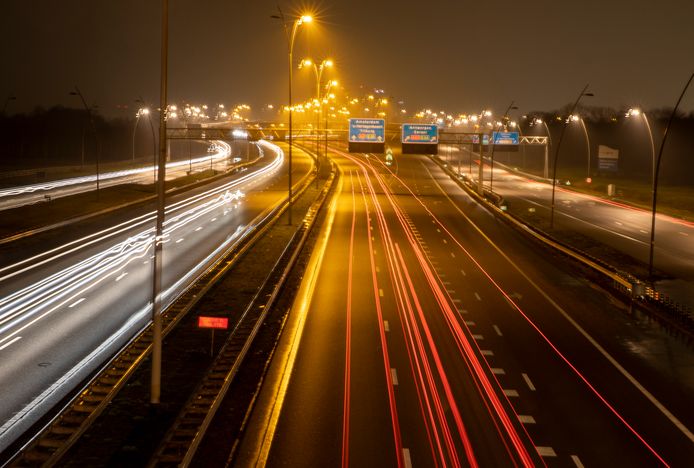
(455, 55)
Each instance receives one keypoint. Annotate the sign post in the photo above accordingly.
(212, 323)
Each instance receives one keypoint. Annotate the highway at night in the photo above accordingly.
(70, 305)
(433, 335)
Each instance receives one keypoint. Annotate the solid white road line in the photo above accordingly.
(529, 382)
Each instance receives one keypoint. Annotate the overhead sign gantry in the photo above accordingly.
(367, 135)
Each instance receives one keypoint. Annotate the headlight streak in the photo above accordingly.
(534, 326)
(223, 151)
(103, 266)
(55, 290)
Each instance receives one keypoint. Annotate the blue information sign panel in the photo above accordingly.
(420, 134)
(476, 139)
(505, 138)
(367, 130)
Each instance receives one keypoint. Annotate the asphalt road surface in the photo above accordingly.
(434, 335)
(70, 305)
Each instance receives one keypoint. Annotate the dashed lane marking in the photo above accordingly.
(577, 461)
(498, 371)
(406, 458)
(497, 330)
(13, 340)
(487, 352)
(380, 292)
(386, 325)
(470, 323)
(79, 301)
(394, 375)
(452, 255)
(511, 393)
(463, 272)
(546, 451)
(526, 419)
(478, 337)
(529, 382)
(477, 296)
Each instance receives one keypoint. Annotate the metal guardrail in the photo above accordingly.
(190, 427)
(626, 283)
(61, 432)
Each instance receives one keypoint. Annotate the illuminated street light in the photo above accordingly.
(291, 36)
(556, 153)
(578, 118)
(635, 112)
(318, 72)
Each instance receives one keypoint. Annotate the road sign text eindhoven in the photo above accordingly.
(420, 133)
(367, 130)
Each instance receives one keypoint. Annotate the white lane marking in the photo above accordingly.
(394, 375)
(457, 301)
(618, 223)
(180, 240)
(529, 382)
(526, 419)
(378, 270)
(13, 340)
(510, 393)
(373, 238)
(406, 458)
(198, 228)
(446, 283)
(683, 233)
(469, 323)
(477, 296)
(546, 451)
(438, 230)
(497, 330)
(145, 262)
(121, 276)
(375, 252)
(380, 292)
(478, 337)
(452, 255)
(450, 291)
(445, 241)
(77, 302)
(461, 311)
(213, 220)
(463, 272)
(487, 352)
(498, 371)
(577, 461)
(386, 325)
(643, 231)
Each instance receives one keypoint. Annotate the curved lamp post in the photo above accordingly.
(78, 93)
(655, 177)
(328, 88)
(145, 111)
(291, 36)
(556, 152)
(7, 101)
(636, 112)
(578, 118)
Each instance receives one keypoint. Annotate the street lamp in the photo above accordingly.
(556, 153)
(318, 72)
(655, 176)
(503, 121)
(291, 36)
(536, 121)
(636, 112)
(578, 118)
(77, 92)
(328, 94)
(145, 111)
